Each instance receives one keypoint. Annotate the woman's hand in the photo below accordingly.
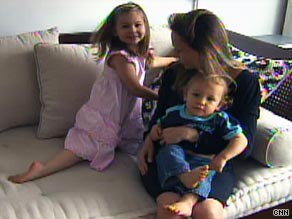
(156, 133)
(145, 155)
(174, 135)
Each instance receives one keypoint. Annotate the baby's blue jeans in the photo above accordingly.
(173, 160)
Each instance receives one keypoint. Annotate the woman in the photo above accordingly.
(200, 41)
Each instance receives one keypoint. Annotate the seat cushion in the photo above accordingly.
(257, 188)
(77, 192)
(116, 193)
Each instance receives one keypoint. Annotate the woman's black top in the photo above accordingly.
(245, 108)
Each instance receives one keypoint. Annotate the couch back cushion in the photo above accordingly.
(66, 73)
(161, 43)
(19, 93)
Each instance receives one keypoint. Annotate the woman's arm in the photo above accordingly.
(168, 97)
(245, 107)
(145, 155)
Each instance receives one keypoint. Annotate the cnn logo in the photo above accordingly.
(281, 212)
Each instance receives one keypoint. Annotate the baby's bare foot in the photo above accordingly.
(183, 207)
(194, 177)
(32, 173)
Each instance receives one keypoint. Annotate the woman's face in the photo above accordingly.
(186, 54)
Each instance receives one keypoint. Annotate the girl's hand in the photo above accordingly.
(174, 135)
(156, 133)
(218, 163)
(145, 155)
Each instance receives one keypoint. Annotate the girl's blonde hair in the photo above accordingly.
(105, 38)
(204, 32)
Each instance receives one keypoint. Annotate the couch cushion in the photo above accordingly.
(257, 188)
(271, 72)
(19, 96)
(273, 141)
(66, 73)
(280, 101)
(162, 45)
(77, 192)
(116, 193)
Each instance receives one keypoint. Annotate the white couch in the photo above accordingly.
(42, 85)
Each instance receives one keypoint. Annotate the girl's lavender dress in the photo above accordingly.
(111, 118)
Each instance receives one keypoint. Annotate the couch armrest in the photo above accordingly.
(273, 141)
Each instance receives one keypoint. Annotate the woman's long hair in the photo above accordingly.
(204, 32)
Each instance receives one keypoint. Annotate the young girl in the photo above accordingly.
(205, 96)
(112, 116)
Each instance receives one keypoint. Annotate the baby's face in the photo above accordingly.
(203, 97)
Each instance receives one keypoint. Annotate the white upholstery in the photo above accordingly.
(258, 187)
(78, 192)
(117, 193)
(19, 97)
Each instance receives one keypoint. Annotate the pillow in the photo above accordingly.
(271, 72)
(19, 94)
(161, 40)
(66, 73)
(273, 141)
(280, 101)
(162, 45)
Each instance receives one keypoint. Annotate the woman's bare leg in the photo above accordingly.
(164, 200)
(61, 161)
(208, 209)
(184, 206)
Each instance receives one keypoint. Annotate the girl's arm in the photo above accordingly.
(161, 61)
(127, 74)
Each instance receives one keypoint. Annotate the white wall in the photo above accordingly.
(249, 17)
(17, 16)
(287, 31)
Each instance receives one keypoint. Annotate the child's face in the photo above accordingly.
(203, 97)
(130, 27)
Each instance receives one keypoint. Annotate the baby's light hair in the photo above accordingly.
(219, 79)
(105, 38)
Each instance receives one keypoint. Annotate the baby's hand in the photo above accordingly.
(156, 133)
(218, 163)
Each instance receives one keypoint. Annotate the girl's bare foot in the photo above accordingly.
(194, 177)
(32, 173)
(184, 207)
